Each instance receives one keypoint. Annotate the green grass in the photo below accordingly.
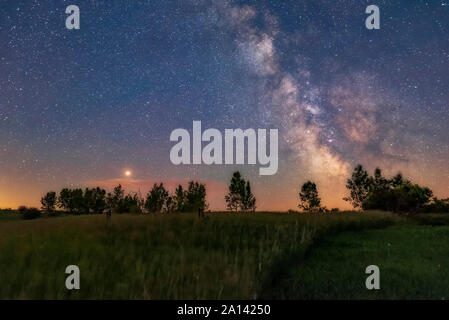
(7, 215)
(177, 256)
(413, 262)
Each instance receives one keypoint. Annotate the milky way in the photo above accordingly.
(79, 107)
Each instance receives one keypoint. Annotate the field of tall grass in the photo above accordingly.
(413, 262)
(176, 256)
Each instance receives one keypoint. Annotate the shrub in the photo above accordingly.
(437, 206)
(406, 198)
(29, 213)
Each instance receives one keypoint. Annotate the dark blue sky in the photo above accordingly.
(81, 106)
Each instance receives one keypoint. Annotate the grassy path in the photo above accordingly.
(413, 261)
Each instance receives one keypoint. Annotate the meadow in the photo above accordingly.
(225, 256)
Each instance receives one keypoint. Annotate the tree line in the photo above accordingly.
(96, 200)
(366, 192)
(158, 199)
(377, 192)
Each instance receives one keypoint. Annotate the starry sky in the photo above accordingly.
(96, 106)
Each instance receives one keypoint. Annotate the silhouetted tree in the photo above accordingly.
(48, 202)
(179, 200)
(236, 189)
(156, 198)
(65, 201)
(72, 200)
(130, 204)
(169, 204)
(97, 200)
(240, 196)
(29, 213)
(398, 180)
(79, 204)
(309, 197)
(114, 199)
(359, 186)
(378, 182)
(195, 197)
(248, 199)
(379, 193)
(405, 198)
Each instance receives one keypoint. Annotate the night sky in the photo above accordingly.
(81, 107)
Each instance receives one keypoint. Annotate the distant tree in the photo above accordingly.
(309, 198)
(378, 182)
(240, 196)
(29, 213)
(406, 198)
(87, 201)
(195, 197)
(236, 189)
(78, 202)
(411, 198)
(130, 204)
(248, 199)
(156, 198)
(118, 202)
(48, 202)
(96, 200)
(115, 199)
(72, 200)
(398, 180)
(170, 205)
(65, 200)
(379, 193)
(359, 186)
(179, 200)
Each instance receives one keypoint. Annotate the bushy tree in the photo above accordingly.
(378, 182)
(236, 190)
(195, 197)
(72, 201)
(188, 200)
(131, 203)
(411, 198)
(48, 202)
(379, 193)
(405, 198)
(118, 202)
(78, 202)
(240, 196)
(398, 180)
(97, 200)
(179, 199)
(359, 186)
(310, 201)
(156, 198)
(65, 201)
(115, 199)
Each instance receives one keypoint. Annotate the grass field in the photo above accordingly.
(226, 256)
